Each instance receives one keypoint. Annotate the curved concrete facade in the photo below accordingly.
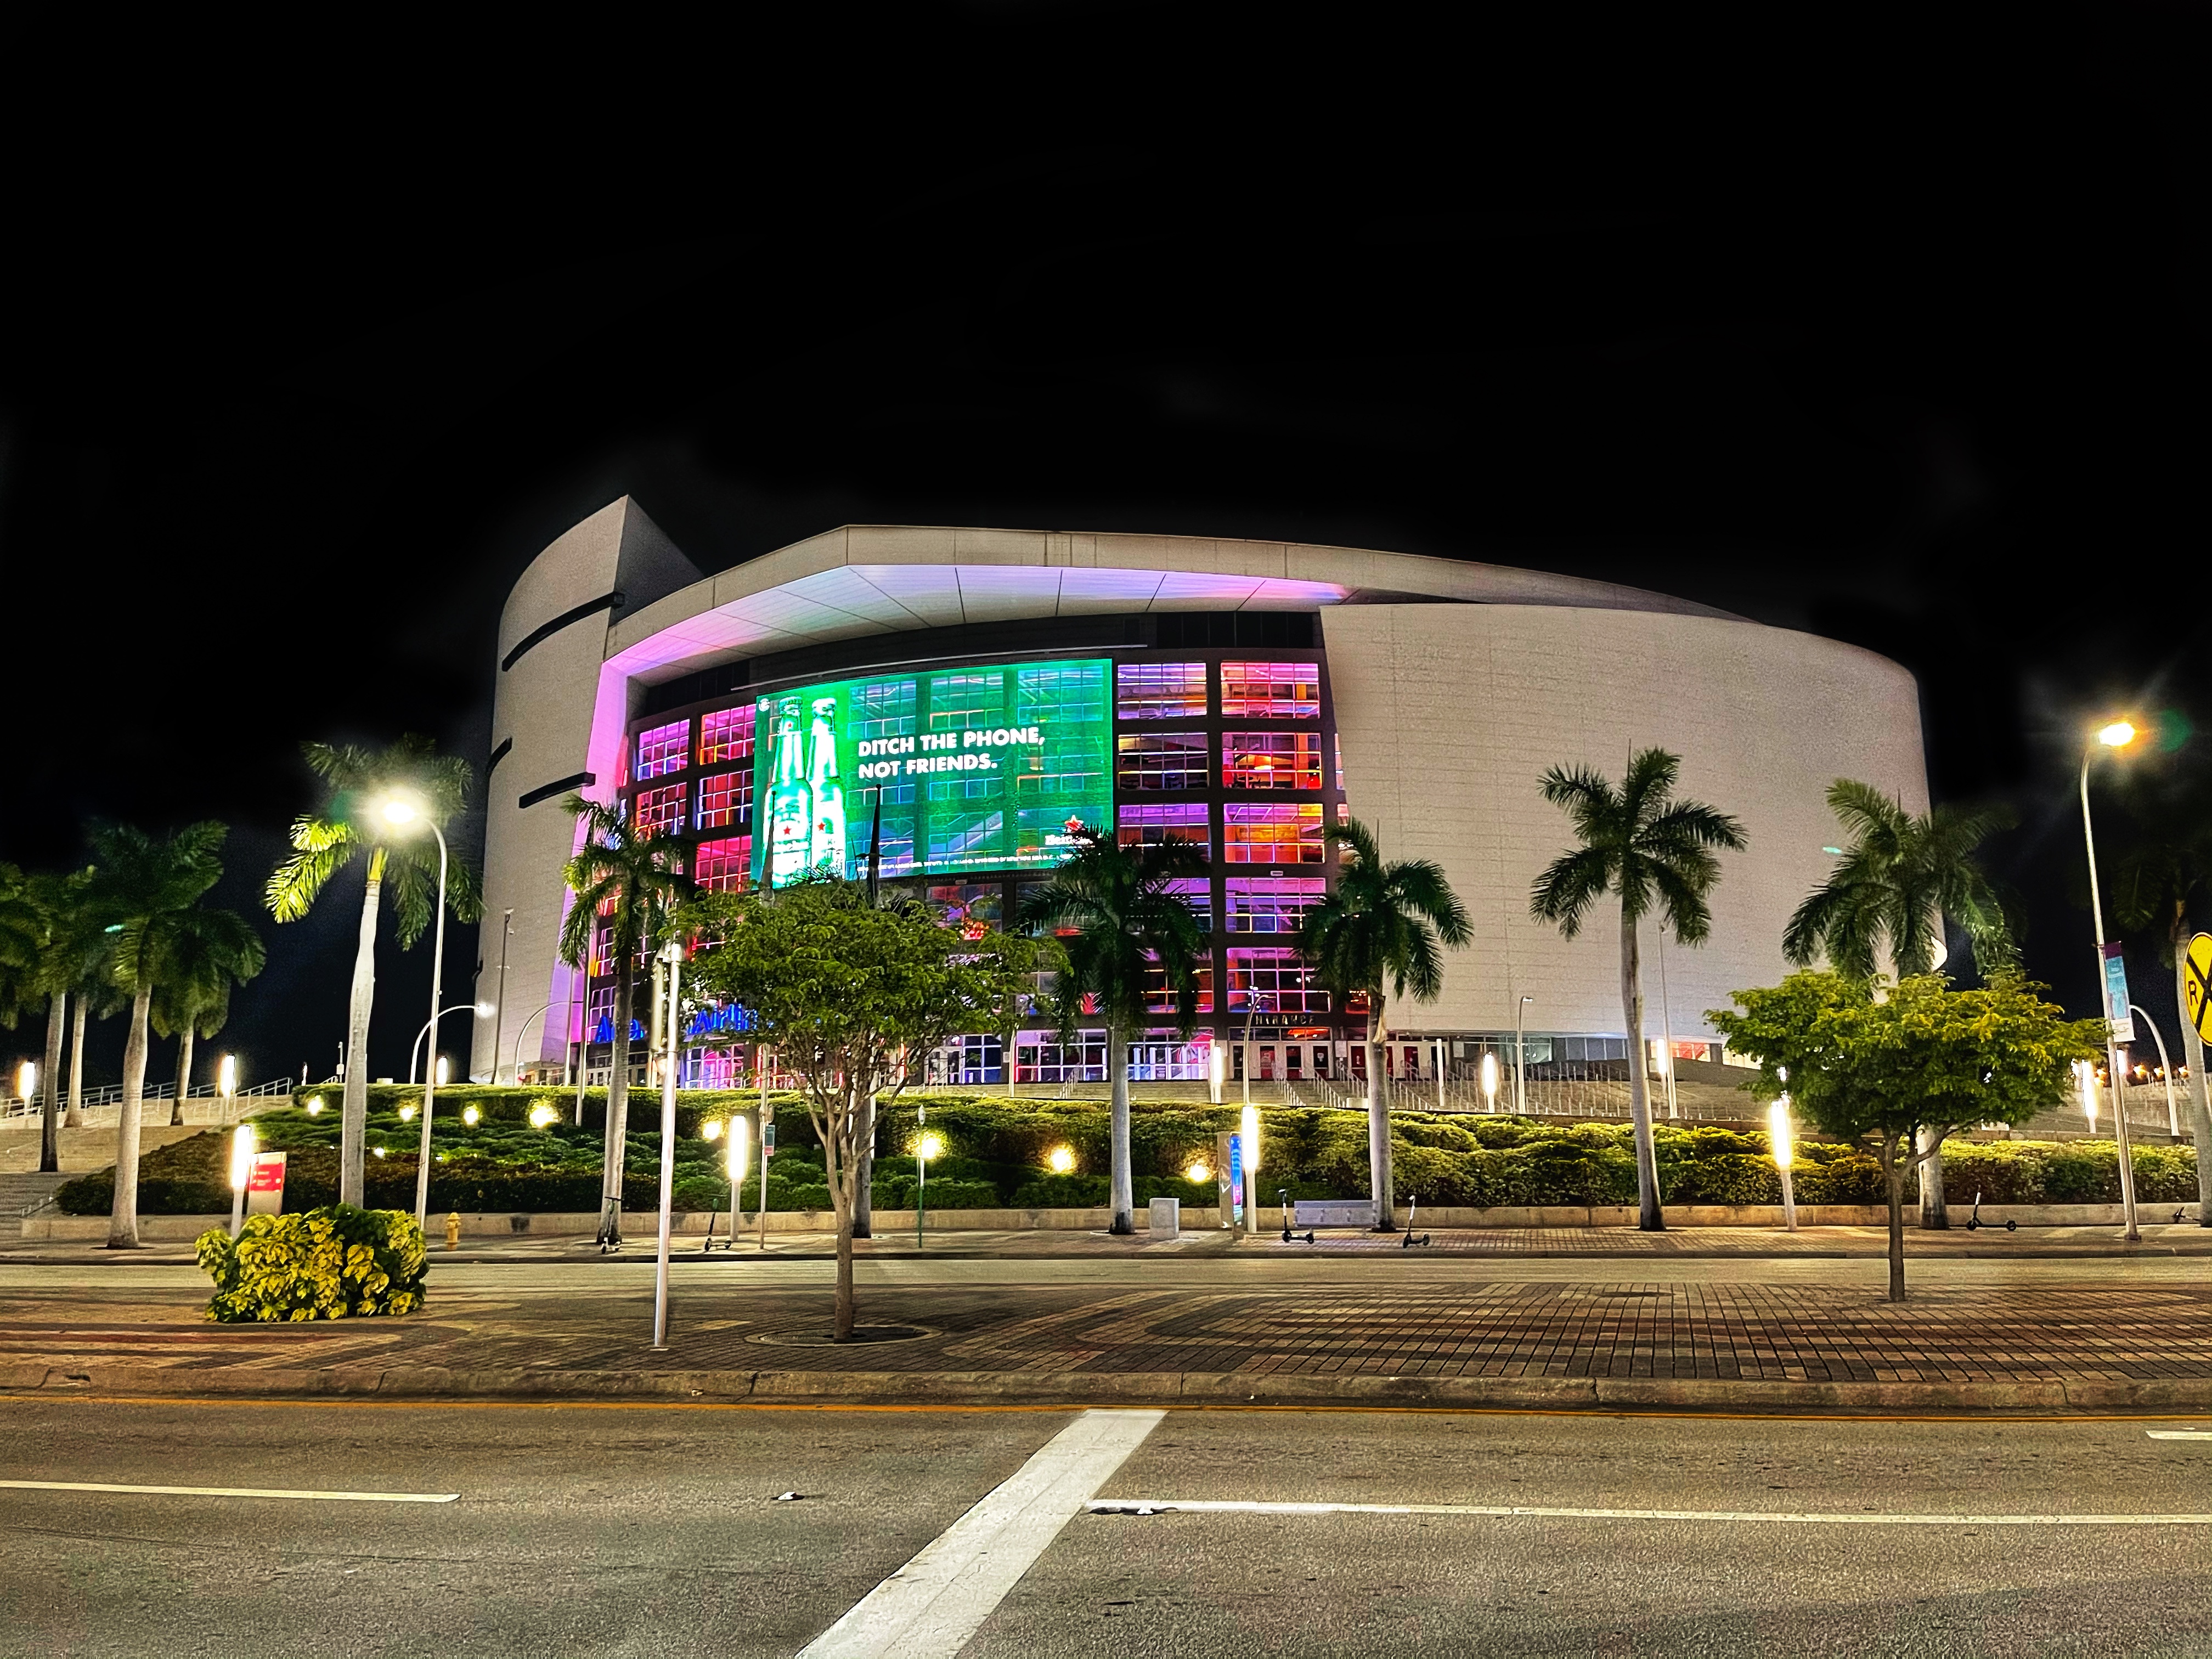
(1454, 686)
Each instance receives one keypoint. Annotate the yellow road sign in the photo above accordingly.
(2197, 984)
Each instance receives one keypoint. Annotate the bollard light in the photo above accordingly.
(1198, 1173)
(545, 1114)
(471, 1117)
(1216, 1071)
(1061, 1160)
(1778, 1133)
(712, 1131)
(314, 1106)
(407, 1112)
(735, 1155)
(1489, 1082)
(2087, 1074)
(444, 1071)
(241, 1157)
(27, 1080)
(226, 1075)
(930, 1147)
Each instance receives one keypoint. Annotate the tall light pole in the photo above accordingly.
(517, 1066)
(2118, 735)
(673, 954)
(506, 932)
(400, 811)
(481, 1010)
(1520, 1059)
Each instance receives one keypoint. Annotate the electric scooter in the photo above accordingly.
(1283, 1194)
(1412, 1213)
(1975, 1219)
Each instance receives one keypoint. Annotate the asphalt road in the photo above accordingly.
(657, 1531)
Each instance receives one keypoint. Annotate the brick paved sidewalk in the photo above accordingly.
(1082, 1340)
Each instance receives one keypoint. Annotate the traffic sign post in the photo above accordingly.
(2196, 976)
(2194, 970)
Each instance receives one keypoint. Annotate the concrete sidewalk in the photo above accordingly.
(1594, 1336)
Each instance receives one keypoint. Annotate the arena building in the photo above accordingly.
(961, 697)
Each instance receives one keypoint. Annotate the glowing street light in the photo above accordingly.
(1250, 1128)
(406, 813)
(1783, 1145)
(241, 1171)
(2119, 734)
(928, 1145)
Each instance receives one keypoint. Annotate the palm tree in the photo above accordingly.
(144, 894)
(1651, 851)
(22, 953)
(324, 843)
(1383, 924)
(631, 883)
(1119, 921)
(2156, 882)
(1894, 886)
(1896, 883)
(211, 952)
(43, 953)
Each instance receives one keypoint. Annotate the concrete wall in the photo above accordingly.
(1450, 713)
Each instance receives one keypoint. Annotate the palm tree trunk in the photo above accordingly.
(50, 1086)
(1892, 1169)
(864, 1173)
(617, 1124)
(2200, 1109)
(74, 1119)
(122, 1218)
(1380, 1184)
(353, 1115)
(183, 1075)
(1933, 1213)
(1121, 1190)
(1648, 1214)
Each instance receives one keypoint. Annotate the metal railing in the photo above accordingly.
(102, 1107)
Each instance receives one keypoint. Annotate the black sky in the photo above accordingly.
(1892, 334)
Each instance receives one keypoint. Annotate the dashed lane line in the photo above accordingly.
(235, 1492)
(1842, 1518)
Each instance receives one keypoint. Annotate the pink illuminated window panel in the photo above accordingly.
(726, 735)
(663, 749)
(1278, 979)
(1270, 690)
(725, 797)
(1149, 826)
(1159, 999)
(1159, 691)
(720, 866)
(1270, 759)
(659, 812)
(1286, 833)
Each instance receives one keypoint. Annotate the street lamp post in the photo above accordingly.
(1778, 1143)
(399, 811)
(2116, 735)
(1521, 1059)
(481, 1010)
(516, 1067)
(673, 955)
(2164, 1065)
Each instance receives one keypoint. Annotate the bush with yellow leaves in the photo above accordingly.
(336, 1262)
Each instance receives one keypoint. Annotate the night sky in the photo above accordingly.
(1897, 338)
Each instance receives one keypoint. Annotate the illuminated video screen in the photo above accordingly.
(977, 769)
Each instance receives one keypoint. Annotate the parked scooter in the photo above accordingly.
(1283, 1194)
(1412, 1213)
(1975, 1219)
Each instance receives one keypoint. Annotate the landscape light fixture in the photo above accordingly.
(314, 1106)
(27, 1080)
(1061, 1160)
(710, 1131)
(1250, 1129)
(470, 1115)
(545, 1114)
(1199, 1172)
(226, 1076)
(1781, 1145)
(1489, 1082)
(407, 1112)
(241, 1171)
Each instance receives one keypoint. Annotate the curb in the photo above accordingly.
(1079, 1389)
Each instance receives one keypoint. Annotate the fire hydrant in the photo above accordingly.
(452, 1230)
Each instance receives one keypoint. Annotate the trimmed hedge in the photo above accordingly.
(997, 1150)
(332, 1263)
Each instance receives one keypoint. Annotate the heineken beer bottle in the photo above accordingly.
(790, 806)
(828, 852)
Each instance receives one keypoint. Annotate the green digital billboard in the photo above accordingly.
(977, 769)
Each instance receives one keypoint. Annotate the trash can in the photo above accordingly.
(1166, 1220)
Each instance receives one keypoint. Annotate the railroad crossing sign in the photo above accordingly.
(2195, 978)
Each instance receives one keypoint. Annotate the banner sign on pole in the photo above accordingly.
(2197, 984)
(2117, 1012)
(264, 1185)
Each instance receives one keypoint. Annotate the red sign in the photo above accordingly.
(265, 1184)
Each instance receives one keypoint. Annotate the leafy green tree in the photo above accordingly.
(27, 920)
(1904, 1070)
(1381, 929)
(207, 956)
(847, 991)
(1119, 921)
(2164, 874)
(632, 884)
(1653, 853)
(357, 783)
(144, 894)
(1898, 879)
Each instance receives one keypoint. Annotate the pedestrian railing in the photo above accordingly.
(103, 1107)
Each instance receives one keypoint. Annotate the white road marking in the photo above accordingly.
(237, 1492)
(930, 1607)
(1221, 1506)
(2180, 1434)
